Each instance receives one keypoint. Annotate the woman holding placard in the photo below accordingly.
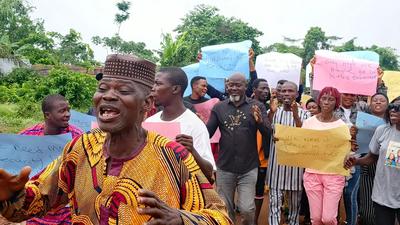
(377, 107)
(385, 191)
(324, 190)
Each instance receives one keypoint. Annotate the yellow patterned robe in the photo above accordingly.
(79, 178)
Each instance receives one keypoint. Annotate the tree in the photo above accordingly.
(174, 53)
(15, 20)
(388, 60)
(283, 48)
(121, 17)
(38, 48)
(315, 39)
(203, 26)
(21, 37)
(118, 45)
(24, 38)
(71, 50)
(348, 46)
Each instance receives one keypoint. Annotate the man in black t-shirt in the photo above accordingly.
(199, 90)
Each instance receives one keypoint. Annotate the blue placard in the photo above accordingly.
(366, 125)
(17, 151)
(82, 120)
(365, 55)
(221, 61)
(193, 70)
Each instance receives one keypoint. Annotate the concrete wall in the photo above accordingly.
(7, 65)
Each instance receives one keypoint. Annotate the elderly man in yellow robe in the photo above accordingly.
(119, 173)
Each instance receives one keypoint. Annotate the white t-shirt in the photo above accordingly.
(192, 125)
(347, 113)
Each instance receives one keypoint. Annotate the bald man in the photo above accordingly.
(238, 119)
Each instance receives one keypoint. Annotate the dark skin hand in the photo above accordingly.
(295, 109)
(354, 145)
(160, 212)
(186, 141)
(205, 166)
(256, 113)
(350, 162)
(272, 108)
(367, 160)
(11, 184)
(353, 132)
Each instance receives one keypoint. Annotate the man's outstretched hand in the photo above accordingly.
(11, 184)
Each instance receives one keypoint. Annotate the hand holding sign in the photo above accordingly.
(11, 184)
(350, 161)
(186, 141)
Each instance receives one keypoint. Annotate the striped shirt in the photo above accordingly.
(38, 130)
(284, 177)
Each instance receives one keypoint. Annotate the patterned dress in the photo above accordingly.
(63, 215)
(96, 196)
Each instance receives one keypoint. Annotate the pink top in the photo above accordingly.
(314, 124)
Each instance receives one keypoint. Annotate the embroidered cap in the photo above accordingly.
(130, 67)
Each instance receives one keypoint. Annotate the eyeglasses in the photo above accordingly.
(394, 107)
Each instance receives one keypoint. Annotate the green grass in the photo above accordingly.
(12, 122)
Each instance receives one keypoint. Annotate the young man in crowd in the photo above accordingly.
(282, 178)
(170, 84)
(56, 116)
(199, 90)
(262, 94)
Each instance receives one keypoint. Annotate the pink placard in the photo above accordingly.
(169, 130)
(204, 110)
(166, 129)
(347, 75)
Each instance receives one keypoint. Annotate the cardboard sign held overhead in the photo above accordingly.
(276, 66)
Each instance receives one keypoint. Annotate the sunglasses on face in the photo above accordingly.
(394, 107)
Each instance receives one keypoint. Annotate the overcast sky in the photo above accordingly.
(371, 21)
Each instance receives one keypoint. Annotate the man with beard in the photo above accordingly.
(285, 178)
(238, 118)
(120, 173)
(262, 94)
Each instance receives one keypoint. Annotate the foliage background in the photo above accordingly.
(24, 39)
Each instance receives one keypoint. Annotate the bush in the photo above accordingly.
(29, 110)
(10, 122)
(26, 86)
(19, 76)
(76, 87)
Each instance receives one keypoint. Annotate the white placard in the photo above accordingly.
(276, 66)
